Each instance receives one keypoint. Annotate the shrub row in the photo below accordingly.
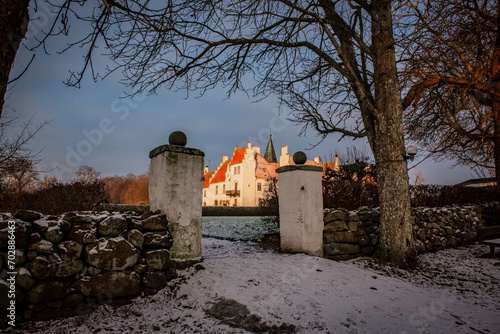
(352, 195)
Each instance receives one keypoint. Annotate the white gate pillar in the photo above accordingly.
(301, 207)
(176, 189)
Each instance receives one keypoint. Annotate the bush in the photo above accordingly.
(58, 197)
(351, 195)
(436, 195)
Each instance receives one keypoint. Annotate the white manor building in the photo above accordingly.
(242, 179)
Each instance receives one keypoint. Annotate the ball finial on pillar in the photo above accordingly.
(299, 158)
(177, 138)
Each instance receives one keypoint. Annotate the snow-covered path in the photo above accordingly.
(241, 288)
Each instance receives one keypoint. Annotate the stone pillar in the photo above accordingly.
(301, 207)
(176, 189)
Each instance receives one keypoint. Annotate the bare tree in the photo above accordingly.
(17, 158)
(86, 174)
(24, 174)
(452, 72)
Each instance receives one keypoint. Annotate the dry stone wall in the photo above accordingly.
(349, 234)
(70, 264)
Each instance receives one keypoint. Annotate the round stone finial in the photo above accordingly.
(299, 158)
(177, 138)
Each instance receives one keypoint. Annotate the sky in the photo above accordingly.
(97, 126)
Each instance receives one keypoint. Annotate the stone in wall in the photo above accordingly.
(54, 234)
(157, 239)
(158, 259)
(342, 237)
(66, 268)
(46, 292)
(341, 249)
(40, 267)
(111, 254)
(27, 215)
(136, 238)
(42, 246)
(154, 279)
(335, 215)
(83, 233)
(335, 226)
(157, 222)
(112, 226)
(110, 284)
(24, 279)
(70, 250)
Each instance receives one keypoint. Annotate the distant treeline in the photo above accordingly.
(84, 193)
(128, 189)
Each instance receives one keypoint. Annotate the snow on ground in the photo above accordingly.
(237, 228)
(242, 288)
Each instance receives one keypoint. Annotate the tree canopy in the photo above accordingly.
(452, 72)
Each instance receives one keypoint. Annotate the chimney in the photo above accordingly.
(284, 157)
(284, 150)
(316, 159)
(206, 170)
(249, 145)
(224, 158)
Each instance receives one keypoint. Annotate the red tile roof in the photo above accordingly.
(221, 173)
(238, 155)
(264, 169)
(206, 180)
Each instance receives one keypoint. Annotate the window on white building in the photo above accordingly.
(204, 193)
(215, 203)
(259, 186)
(216, 191)
(235, 202)
(223, 189)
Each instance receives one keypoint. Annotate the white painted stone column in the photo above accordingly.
(301, 208)
(176, 189)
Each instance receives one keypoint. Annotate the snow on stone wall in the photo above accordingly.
(349, 234)
(70, 264)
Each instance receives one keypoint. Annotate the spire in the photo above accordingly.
(270, 155)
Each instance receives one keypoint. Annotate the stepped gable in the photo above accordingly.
(220, 175)
(206, 179)
(238, 155)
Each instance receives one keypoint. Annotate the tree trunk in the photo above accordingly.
(14, 18)
(396, 235)
(495, 105)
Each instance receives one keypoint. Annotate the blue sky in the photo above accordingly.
(96, 126)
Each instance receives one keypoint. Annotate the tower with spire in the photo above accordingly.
(270, 154)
